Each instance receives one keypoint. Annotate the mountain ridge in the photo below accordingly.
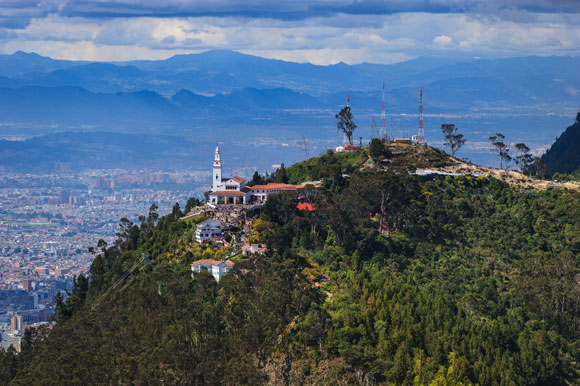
(563, 156)
(391, 278)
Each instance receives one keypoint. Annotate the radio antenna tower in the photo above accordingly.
(421, 131)
(384, 133)
(304, 147)
(373, 128)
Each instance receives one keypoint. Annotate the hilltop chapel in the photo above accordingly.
(233, 191)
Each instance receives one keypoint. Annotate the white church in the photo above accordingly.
(233, 191)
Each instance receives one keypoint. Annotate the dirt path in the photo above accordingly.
(511, 176)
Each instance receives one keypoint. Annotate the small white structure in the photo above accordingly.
(251, 249)
(207, 229)
(216, 267)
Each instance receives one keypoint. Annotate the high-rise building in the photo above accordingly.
(16, 323)
(11, 338)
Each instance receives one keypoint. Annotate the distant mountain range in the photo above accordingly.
(479, 82)
(229, 96)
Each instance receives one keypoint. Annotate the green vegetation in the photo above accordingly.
(453, 140)
(501, 149)
(393, 279)
(377, 149)
(329, 167)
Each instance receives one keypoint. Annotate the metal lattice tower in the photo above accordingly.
(421, 131)
(384, 134)
(304, 147)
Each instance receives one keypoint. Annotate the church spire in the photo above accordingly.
(217, 171)
(217, 161)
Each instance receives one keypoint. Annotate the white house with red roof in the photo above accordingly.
(217, 268)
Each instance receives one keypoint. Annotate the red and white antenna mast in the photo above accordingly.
(347, 99)
(421, 131)
(384, 134)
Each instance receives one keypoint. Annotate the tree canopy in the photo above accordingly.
(453, 140)
(346, 123)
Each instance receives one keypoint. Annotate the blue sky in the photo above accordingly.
(321, 32)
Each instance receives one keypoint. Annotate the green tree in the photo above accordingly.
(61, 311)
(377, 149)
(191, 203)
(453, 140)
(176, 211)
(257, 179)
(280, 175)
(153, 215)
(345, 123)
(500, 148)
(524, 158)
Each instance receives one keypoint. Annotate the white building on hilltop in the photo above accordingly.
(207, 229)
(227, 190)
(234, 190)
(216, 267)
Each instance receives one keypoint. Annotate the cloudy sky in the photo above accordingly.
(319, 31)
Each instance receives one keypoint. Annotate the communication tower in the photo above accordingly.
(373, 129)
(304, 147)
(384, 133)
(421, 131)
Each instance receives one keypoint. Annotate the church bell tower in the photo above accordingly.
(217, 171)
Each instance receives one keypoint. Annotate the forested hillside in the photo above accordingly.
(563, 155)
(391, 279)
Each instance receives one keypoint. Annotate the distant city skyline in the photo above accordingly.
(320, 32)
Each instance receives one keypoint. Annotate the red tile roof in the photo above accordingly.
(212, 262)
(305, 206)
(230, 192)
(238, 179)
(273, 185)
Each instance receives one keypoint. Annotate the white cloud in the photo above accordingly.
(442, 40)
(321, 40)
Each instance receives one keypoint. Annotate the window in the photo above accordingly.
(216, 176)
